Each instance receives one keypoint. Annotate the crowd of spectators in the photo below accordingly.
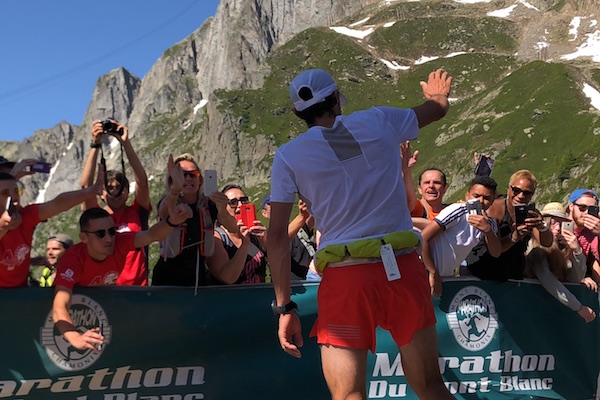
(204, 241)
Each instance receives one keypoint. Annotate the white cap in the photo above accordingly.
(320, 85)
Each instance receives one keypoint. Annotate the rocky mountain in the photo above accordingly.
(221, 94)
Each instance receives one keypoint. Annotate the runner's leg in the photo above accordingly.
(421, 368)
(345, 372)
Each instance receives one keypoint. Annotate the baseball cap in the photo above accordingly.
(5, 163)
(319, 84)
(578, 193)
(554, 209)
(65, 240)
(266, 200)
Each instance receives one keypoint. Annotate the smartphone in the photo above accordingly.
(593, 210)
(10, 206)
(567, 226)
(210, 181)
(101, 326)
(41, 167)
(474, 207)
(521, 213)
(247, 214)
(484, 166)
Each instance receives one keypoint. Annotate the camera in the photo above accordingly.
(110, 127)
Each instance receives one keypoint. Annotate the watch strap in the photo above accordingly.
(286, 309)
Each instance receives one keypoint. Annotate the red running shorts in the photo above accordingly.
(355, 299)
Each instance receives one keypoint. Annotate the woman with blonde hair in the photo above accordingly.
(184, 252)
(563, 261)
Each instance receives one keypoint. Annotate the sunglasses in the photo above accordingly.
(191, 174)
(582, 207)
(517, 191)
(18, 191)
(234, 202)
(102, 232)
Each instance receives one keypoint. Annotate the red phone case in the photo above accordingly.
(247, 214)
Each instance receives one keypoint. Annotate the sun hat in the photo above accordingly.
(554, 209)
(319, 84)
(578, 193)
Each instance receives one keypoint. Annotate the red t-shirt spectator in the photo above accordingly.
(15, 248)
(76, 267)
(135, 271)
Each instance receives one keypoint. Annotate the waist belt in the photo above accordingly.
(364, 249)
(347, 260)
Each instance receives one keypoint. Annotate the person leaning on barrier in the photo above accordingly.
(456, 231)
(587, 230)
(563, 261)
(183, 253)
(240, 257)
(128, 218)
(16, 231)
(335, 167)
(511, 263)
(98, 261)
(55, 249)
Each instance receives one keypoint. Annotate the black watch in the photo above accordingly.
(279, 310)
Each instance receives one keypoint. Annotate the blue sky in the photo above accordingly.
(54, 51)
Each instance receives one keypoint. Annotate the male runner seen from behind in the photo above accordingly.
(348, 170)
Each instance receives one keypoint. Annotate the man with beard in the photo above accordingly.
(582, 202)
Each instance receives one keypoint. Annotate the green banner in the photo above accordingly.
(497, 341)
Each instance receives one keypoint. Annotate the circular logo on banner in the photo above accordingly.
(86, 314)
(472, 318)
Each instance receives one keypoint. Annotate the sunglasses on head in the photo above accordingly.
(517, 191)
(191, 174)
(102, 232)
(234, 202)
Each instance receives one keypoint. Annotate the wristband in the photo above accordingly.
(579, 253)
(95, 145)
(168, 221)
(281, 310)
(513, 240)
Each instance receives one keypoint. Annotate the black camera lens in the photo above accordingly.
(110, 127)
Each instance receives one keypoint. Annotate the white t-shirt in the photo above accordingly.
(453, 245)
(349, 175)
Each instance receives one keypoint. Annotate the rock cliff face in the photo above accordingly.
(162, 110)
